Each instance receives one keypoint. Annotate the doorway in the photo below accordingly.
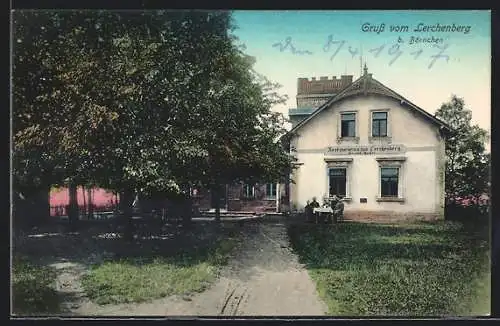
(222, 198)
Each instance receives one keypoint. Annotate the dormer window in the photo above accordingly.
(379, 124)
(348, 125)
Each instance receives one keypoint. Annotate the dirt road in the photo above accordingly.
(263, 278)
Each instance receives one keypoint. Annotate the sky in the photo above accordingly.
(334, 43)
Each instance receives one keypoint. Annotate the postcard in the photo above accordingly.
(251, 163)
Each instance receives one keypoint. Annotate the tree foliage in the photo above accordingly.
(150, 101)
(468, 165)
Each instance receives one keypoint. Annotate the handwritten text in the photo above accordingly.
(288, 45)
(395, 51)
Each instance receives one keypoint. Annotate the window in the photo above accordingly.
(338, 177)
(271, 191)
(379, 124)
(348, 125)
(389, 178)
(337, 182)
(248, 191)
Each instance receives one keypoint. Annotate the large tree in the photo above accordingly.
(467, 166)
(236, 130)
(138, 101)
(102, 96)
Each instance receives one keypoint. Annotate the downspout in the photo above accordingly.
(277, 197)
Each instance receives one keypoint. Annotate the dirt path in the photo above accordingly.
(264, 278)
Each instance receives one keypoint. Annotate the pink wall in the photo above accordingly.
(60, 198)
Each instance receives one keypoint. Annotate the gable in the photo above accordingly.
(367, 85)
(324, 130)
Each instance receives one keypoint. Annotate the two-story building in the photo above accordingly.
(366, 143)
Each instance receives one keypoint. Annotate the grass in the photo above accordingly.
(191, 269)
(418, 269)
(33, 289)
(481, 295)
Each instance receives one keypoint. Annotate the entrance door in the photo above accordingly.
(222, 198)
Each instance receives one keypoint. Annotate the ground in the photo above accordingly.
(263, 268)
(262, 277)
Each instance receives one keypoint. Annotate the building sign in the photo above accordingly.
(313, 102)
(365, 149)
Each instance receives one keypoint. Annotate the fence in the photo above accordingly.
(102, 203)
(98, 212)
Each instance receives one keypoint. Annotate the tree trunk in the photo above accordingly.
(73, 206)
(116, 202)
(84, 200)
(126, 200)
(41, 207)
(34, 210)
(186, 212)
(91, 204)
(186, 208)
(46, 210)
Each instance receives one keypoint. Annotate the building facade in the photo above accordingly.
(256, 198)
(364, 142)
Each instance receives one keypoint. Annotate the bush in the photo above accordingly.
(468, 214)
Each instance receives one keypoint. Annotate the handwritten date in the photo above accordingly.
(334, 46)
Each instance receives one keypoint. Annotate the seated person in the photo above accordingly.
(338, 210)
(308, 210)
(314, 203)
(327, 202)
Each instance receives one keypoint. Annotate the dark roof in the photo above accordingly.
(366, 84)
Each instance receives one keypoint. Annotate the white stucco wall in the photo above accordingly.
(422, 187)
(405, 127)
(418, 184)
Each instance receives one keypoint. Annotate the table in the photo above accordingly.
(321, 210)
